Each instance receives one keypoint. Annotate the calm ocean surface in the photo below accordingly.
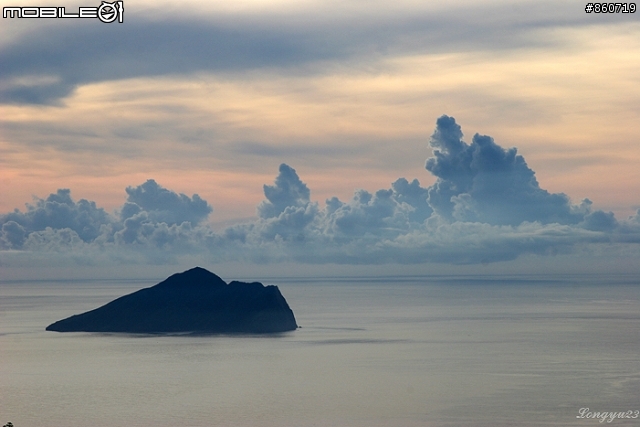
(418, 351)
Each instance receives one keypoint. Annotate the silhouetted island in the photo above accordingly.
(194, 301)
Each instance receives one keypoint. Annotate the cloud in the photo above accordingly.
(60, 58)
(288, 191)
(66, 56)
(378, 214)
(140, 231)
(54, 240)
(415, 196)
(486, 206)
(627, 231)
(162, 205)
(484, 182)
(44, 91)
(57, 211)
(13, 235)
(599, 221)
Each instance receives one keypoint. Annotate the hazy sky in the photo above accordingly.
(292, 131)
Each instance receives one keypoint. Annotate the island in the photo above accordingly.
(195, 301)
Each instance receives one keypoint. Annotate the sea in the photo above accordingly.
(439, 351)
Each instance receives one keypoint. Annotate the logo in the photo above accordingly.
(106, 12)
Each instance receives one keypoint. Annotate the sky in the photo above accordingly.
(307, 137)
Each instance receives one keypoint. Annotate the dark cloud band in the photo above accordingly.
(46, 64)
